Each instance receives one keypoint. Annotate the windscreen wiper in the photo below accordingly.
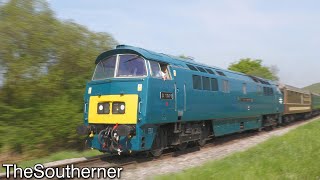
(131, 59)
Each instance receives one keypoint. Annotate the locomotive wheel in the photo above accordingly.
(158, 143)
(182, 146)
(156, 152)
(202, 142)
(204, 135)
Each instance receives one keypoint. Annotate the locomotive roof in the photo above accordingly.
(174, 60)
(125, 49)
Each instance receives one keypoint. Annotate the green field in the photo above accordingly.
(295, 155)
(313, 88)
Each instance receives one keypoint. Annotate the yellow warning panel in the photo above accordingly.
(129, 117)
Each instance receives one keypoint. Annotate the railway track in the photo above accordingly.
(132, 161)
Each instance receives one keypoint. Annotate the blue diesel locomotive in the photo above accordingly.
(139, 100)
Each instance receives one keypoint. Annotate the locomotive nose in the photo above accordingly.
(125, 130)
(115, 138)
(113, 109)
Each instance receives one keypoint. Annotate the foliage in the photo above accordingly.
(46, 63)
(313, 88)
(292, 156)
(186, 57)
(254, 67)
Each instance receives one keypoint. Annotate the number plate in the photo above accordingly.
(166, 95)
(246, 99)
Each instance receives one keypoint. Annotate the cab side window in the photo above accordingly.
(165, 71)
(155, 69)
(160, 70)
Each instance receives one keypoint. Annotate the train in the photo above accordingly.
(143, 101)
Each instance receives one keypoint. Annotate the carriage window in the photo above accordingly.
(206, 83)
(131, 65)
(197, 84)
(214, 84)
(155, 69)
(105, 68)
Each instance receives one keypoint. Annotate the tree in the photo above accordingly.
(254, 67)
(46, 63)
(186, 57)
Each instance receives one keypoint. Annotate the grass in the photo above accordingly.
(295, 155)
(56, 157)
(314, 88)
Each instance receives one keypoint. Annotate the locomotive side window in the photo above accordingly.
(259, 90)
(159, 70)
(214, 84)
(192, 67)
(131, 65)
(210, 71)
(226, 88)
(206, 83)
(165, 71)
(271, 92)
(267, 91)
(244, 88)
(155, 69)
(201, 69)
(221, 73)
(197, 84)
(105, 68)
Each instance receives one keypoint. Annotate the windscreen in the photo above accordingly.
(131, 65)
(105, 68)
(127, 65)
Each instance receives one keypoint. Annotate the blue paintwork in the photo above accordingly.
(224, 109)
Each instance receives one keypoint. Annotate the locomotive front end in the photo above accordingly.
(113, 103)
(112, 121)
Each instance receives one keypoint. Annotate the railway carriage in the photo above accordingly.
(297, 103)
(315, 103)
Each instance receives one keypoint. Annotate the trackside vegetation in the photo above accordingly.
(44, 65)
(295, 155)
(254, 67)
(313, 88)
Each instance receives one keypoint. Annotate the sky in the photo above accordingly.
(283, 33)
